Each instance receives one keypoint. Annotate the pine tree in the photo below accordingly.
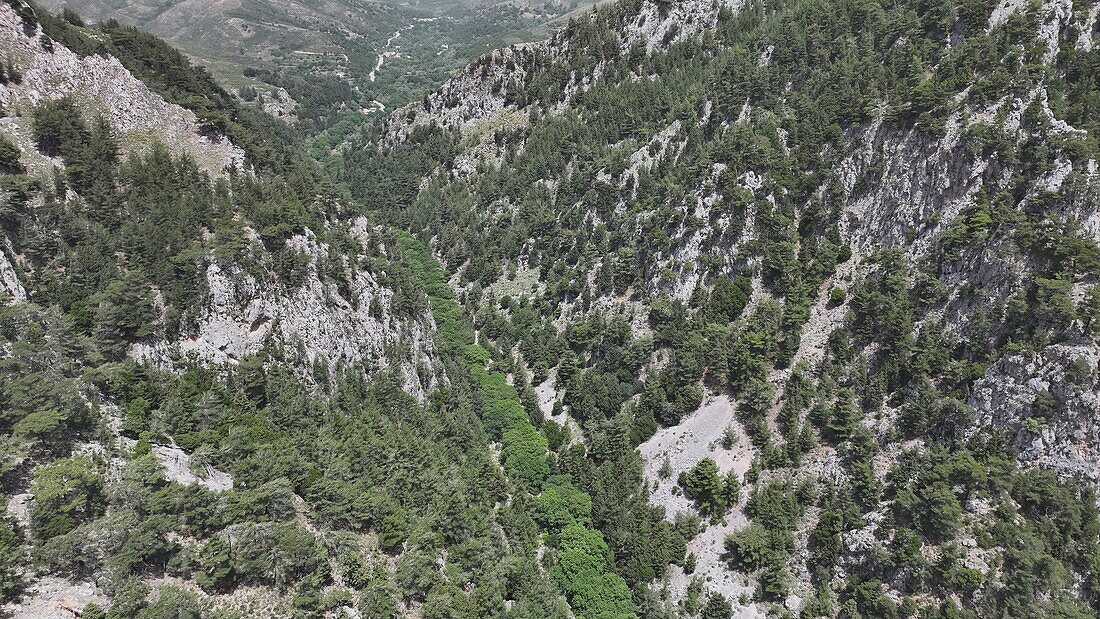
(10, 157)
(92, 166)
(125, 313)
(59, 128)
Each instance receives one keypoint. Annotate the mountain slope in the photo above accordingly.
(863, 236)
(54, 72)
(180, 284)
(697, 309)
(240, 306)
(227, 393)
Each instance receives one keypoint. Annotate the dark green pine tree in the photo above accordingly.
(92, 167)
(125, 313)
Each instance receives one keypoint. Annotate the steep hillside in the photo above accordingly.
(696, 309)
(87, 121)
(831, 266)
(187, 308)
(103, 84)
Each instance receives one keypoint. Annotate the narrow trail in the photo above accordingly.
(387, 52)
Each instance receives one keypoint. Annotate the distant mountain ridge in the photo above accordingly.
(262, 48)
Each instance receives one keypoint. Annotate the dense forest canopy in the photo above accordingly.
(635, 228)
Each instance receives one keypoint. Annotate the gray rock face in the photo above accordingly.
(680, 448)
(102, 85)
(180, 467)
(1050, 403)
(659, 25)
(9, 281)
(471, 101)
(281, 105)
(243, 312)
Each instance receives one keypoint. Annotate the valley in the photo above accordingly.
(260, 49)
(652, 309)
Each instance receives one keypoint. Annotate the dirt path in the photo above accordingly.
(387, 52)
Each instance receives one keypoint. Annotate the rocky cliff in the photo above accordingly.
(101, 85)
(242, 314)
